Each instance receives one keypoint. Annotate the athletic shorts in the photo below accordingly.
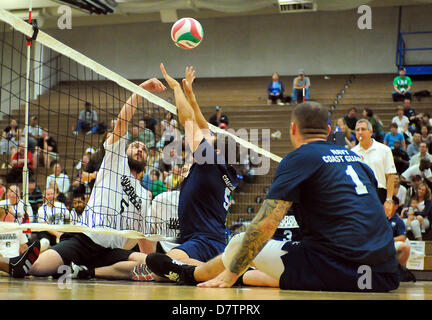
(201, 248)
(308, 269)
(80, 249)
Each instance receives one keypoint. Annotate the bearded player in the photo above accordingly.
(118, 201)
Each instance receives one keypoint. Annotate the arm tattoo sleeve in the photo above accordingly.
(259, 232)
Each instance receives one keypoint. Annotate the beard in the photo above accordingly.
(136, 165)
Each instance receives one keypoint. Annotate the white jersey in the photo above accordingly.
(118, 201)
(10, 243)
(17, 209)
(53, 215)
(163, 219)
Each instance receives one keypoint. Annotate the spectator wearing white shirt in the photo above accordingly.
(423, 154)
(414, 147)
(61, 179)
(379, 158)
(422, 169)
(400, 191)
(401, 120)
(51, 212)
(15, 206)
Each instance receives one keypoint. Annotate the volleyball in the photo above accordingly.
(187, 33)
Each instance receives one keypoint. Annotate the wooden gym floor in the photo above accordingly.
(45, 289)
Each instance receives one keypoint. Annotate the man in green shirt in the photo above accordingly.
(402, 86)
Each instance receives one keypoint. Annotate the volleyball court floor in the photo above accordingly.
(47, 289)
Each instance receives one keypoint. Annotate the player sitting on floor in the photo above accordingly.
(15, 256)
(347, 244)
(117, 201)
(205, 192)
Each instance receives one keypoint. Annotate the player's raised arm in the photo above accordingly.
(261, 229)
(129, 108)
(187, 86)
(186, 114)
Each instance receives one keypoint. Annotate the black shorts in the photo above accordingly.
(44, 234)
(80, 249)
(275, 98)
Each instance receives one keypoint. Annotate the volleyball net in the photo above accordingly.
(58, 107)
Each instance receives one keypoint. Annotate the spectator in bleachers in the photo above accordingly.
(173, 179)
(275, 90)
(169, 127)
(401, 120)
(157, 186)
(78, 207)
(400, 157)
(18, 161)
(15, 206)
(59, 177)
(152, 124)
(426, 137)
(146, 134)
(133, 134)
(351, 119)
(299, 83)
(399, 234)
(423, 204)
(2, 187)
(51, 212)
(219, 117)
(377, 128)
(400, 191)
(35, 197)
(80, 183)
(423, 154)
(11, 136)
(414, 147)
(154, 158)
(402, 86)
(422, 169)
(47, 151)
(87, 120)
(34, 134)
(89, 152)
(427, 121)
(393, 136)
(412, 186)
(411, 114)
(350, 139)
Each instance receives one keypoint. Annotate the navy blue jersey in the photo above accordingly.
(397, 225)
(289, 228)
(205, 195)
(338, 204)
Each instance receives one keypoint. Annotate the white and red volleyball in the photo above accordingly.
(187, 33)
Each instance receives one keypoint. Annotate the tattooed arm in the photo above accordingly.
(256, 236)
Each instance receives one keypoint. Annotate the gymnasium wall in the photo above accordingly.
(320, 42)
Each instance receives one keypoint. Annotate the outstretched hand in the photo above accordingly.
(226, 279)
(153, 85)
(170, 80)
(189, 79)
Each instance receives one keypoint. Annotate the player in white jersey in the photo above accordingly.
(117, 201)
(12, 244)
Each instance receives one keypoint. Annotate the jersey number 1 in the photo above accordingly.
(360, 188)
